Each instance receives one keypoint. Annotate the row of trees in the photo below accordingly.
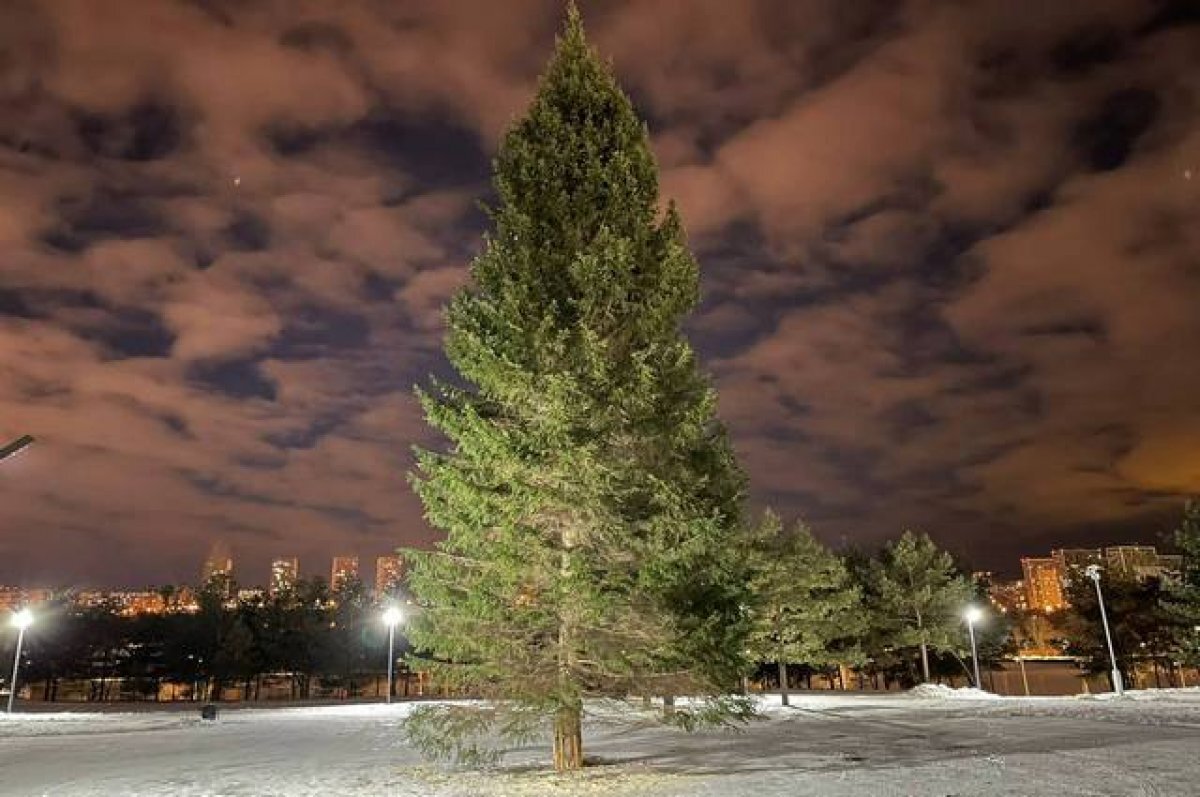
(898, 615)
(304, 634)
(810, 609)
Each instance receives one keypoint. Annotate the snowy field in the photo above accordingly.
(932, 742)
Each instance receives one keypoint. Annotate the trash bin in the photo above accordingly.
(208, 712)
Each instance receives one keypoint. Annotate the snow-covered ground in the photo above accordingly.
(928, 742)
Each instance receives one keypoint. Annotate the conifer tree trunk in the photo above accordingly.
(568, 719)
(568, 738)
(924, 648)
(783, 682)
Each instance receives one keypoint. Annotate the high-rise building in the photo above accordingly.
(345, 568)
(1043, 583)
(1128, 560)
(389, 573)
(1078, 557)
(14, 598)
(218, 563)
(133, 603)
(1141, 562)
(1072, 562)
(1170, 565)
(1008, 596)
(283, 574)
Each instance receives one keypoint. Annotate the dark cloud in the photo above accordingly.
(949, 254)
(1108, 137)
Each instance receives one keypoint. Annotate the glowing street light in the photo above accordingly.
(20, 620)
(391, 618)
(16, 447)
(1093, 572)
(973, 615)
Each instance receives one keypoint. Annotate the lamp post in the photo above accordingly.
(21, 620)
(974, 614)
(16, 446)
(1093, 572)
(391, 616)
(1024, 675)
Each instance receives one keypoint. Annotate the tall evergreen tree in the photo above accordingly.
(919, 596)
(1182, 593)
(806, 609)
(588, 489)
(1143, 629)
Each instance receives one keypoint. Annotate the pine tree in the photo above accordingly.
(806, 609)
(1141, 623)
(1182, 593)
(588, 489)
(919, 596)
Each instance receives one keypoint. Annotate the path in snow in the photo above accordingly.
(828, 744)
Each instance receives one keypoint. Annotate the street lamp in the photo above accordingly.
(391, 617)
(16, 447)
(20, 620)
(973, 615)
(1093, 572)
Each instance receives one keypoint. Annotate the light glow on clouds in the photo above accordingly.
(949, 256)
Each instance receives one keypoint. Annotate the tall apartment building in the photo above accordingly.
(219, 563)
(345, 568)
(284, 573)
(1127, 559)
(1141, 562)
(389, 574)
(1048, 578)
(1170, 565)
(1078, 557)
(1008, 596)
(1044, 583)
(1074, 562)
(14, 598)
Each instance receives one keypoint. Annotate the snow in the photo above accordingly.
(935, 741)
(943, 692)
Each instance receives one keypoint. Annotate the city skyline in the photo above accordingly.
(1129, 558)
(387, 568)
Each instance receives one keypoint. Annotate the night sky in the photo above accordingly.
(950, 254)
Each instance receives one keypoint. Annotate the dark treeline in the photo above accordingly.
(306, 642)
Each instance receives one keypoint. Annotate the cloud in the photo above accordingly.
(947, 250)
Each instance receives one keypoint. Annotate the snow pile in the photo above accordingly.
(942, 692)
